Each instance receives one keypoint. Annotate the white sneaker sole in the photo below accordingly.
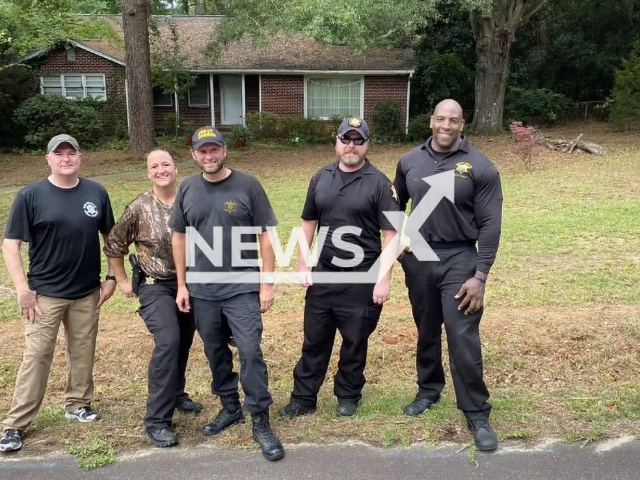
(71, 416)
(12, 447)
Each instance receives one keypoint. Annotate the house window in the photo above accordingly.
(161, 98)
(199, 92)
(77, 85)
(327, 96)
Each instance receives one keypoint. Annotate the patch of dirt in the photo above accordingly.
(540, 358)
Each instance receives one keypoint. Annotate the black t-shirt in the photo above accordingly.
(356, 199)
(237, 201)
(62, 228)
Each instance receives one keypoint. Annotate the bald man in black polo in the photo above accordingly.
(451, 291)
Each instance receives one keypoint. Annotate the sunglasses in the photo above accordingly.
(356, 141)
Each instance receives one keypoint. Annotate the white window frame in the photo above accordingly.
(206, 79)
(341, 77)
(84, 84)
(170, 104)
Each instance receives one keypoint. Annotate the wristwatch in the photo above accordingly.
(268, 279)
(109, 277)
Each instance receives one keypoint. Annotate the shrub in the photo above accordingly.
(239, 136)
(626, 92)
(303, 129)
(17, 84)
(263, 125)
(44, 116)
(419, 128)
(386, 118)
(534, 106)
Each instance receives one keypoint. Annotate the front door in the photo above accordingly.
(231, 99)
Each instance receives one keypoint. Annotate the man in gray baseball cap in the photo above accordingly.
(61, 217)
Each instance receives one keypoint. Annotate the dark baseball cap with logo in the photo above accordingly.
(354, 123)
(58, 140)
(206, 135)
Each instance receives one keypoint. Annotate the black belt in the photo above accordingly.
(445, 245)
(334, 268)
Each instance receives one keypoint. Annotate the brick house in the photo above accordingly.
(291, 75)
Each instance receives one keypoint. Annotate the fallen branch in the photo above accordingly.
(576, 144)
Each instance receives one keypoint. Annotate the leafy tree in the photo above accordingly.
(626, 92)
(361, 23)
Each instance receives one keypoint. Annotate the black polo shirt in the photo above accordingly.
(356, 199)
(476, 213)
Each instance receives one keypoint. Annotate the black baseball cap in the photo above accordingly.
(354, 123)
(206, 135)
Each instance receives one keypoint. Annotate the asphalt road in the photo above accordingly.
(614, 460)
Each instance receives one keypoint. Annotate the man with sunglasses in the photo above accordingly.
(451, 291)
(346, 198)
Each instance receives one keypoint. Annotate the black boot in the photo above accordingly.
(230, 414)
(271, 447)
(484, 436)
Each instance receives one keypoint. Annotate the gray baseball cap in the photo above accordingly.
(354, 123)
(56, 141)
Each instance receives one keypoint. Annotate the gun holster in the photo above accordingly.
(137, 275)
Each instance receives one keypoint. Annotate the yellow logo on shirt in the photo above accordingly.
(462, 169)
(230, 207)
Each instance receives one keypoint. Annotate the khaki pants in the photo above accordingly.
(80, 319)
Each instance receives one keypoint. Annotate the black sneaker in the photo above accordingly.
(83, 414)
(295, 409)
(189, 406)
(271, 447)
(11, 440)
(227, 416)
(485, 437)
(162, 437)
(418, 407)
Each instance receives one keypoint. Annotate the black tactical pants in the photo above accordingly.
(432, 288)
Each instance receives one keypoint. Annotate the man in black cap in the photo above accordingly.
(61, 217)
(451, 291)
(215, 205)
(346, 197)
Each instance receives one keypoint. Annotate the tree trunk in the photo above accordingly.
(138, 67)
(493, 44)
(494, 34)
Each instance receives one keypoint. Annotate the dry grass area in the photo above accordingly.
(560, 333)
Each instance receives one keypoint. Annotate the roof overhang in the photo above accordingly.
(76, 44)
(278, 71)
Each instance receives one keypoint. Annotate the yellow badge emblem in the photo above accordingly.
(355, 122)
(462, 168)
(230, 207)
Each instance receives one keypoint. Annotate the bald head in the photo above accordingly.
(448, 105)
(446, 123)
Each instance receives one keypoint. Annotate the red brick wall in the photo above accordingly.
(381, 88)
(56, 63)
(283, 94)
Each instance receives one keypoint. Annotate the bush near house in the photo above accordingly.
(385, 121)
(420, 128)
(44, 116)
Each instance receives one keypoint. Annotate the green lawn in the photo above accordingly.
(560, 333)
